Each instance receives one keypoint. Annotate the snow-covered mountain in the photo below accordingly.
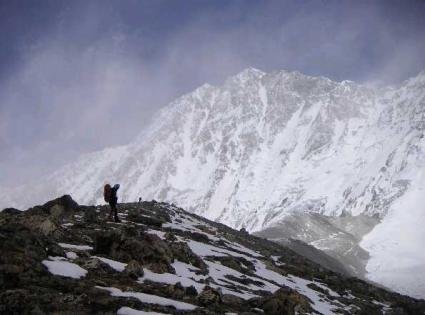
(265, 145)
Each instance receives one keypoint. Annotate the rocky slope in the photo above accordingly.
(337, 236)
(63, 258)
(264, 146)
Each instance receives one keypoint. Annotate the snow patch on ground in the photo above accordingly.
(118, 266)
(71, 255)
(170, 278)
(132, 311)
(78, 247)
(150, 299)
(60, 267)
(189, 224)
(160, 234)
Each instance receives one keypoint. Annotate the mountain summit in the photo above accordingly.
(265, 146)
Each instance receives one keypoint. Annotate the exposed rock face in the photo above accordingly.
(144, 248)
(86, 265)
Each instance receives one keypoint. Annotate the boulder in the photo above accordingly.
(134, 269)
(176, 291)
(183, 253)
(11, 211)
(243, 231)
(232, 300)
(94, 264)
(240, 264)
(191, 291)
(66, 202)
(284, 301)
(47, 227)
(56, 209)
(170, 237)
(147, 249)
(137, 216)
(209, 296)
(105, 241)
(22, 251)
(199, 237)
(90, 214)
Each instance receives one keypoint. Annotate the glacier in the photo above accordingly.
(263, 146)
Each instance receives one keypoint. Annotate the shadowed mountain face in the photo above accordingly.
(339, 237)
(265, 145)
(163, 259)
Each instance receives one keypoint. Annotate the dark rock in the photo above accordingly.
(232, 300)
(209, 296)
(237, 263)
(22, 251)
(199, 237)
(131, 231)
(11, 211)
(104, 241)
(284, 301)
(96, 265)
(147, 249)
(182, 252)
(138, 217)
(243, 231)
(244, 280)
(170, 237)
(134, 269)
(90, 214)
(205, 229)
(56, 210)
(14, 301)
(55, 250)
(177, 291)
(191, 291)
(317, 288)
(65, 201)
(43, 223)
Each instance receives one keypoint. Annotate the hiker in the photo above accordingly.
(140, 199)
(110, 195)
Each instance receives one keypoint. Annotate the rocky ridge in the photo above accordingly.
(65, 258)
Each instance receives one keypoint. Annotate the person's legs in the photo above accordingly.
(115, 211)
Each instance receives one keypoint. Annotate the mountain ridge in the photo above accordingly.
(264, 146)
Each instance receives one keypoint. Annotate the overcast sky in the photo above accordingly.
(77, 76)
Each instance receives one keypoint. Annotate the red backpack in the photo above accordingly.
(107, 191)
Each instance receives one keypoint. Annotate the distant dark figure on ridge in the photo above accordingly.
(140, 199)
(110, 196)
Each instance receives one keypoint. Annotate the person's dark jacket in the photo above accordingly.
(114, 199)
